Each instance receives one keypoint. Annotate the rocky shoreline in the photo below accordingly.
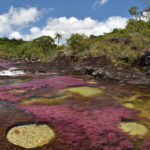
(99, 68)
(103, 68)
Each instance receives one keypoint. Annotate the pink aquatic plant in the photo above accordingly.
(146, 145)
(81, 128)
(5, 63)
(42, 85)
(56, 82)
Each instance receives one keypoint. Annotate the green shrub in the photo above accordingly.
(45, 42)
(78, 42)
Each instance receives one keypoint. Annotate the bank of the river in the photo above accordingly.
(95, 67)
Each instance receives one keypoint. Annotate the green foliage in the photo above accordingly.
(45, 42)
(43, 48)
(134, 11)
(139, 27)
(58, 36)
(78, 42)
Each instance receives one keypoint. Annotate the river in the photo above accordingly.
(82, 114)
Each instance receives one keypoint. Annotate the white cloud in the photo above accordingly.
(15, 35)
(68, 26)
(99, 3)
(103, 2)
(23, 16)
(17, 18)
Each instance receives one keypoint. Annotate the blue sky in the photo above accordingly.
(29, 19)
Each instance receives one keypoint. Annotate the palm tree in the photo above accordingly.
(58, 36)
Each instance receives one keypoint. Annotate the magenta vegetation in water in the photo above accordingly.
(146, 145)
(48, 84)
(85, 129)
(77, 128)
(5, 63)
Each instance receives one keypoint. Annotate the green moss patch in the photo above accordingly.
(84, 91)
(129, 105)
(134, 128)
(43, 100)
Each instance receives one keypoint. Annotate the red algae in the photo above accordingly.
(146, 145)
(57, 82)
(50, 83)
(90, 127)
(80, 128)
(5, 63)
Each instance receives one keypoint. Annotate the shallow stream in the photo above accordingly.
(81, 114)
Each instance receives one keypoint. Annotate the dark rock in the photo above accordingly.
(148, 73)
(89, 70)
(145, 59)
(41, 72)
(117, 39)
(103, 73)
(125, 59)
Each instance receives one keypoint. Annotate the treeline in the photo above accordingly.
(43, 47)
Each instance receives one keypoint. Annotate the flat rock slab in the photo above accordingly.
(30, 136)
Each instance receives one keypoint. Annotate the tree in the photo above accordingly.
(134, 11)
(45, 42)
(77, 42)
(58, 36)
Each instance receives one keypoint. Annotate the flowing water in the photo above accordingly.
(73, 113)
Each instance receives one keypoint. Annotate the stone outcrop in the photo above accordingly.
(145, 59)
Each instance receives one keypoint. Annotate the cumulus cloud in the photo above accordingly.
(68, 26)
(99, 3)
(17, 18)
(15, 35)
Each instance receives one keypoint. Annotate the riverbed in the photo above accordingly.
(81, 113)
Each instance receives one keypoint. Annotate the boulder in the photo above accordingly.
(145, 59)
(89, 70)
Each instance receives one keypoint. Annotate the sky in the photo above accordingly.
(29, 19)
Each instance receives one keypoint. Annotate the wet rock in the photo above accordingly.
(40, 72)
(89, 70)
(102, 73)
